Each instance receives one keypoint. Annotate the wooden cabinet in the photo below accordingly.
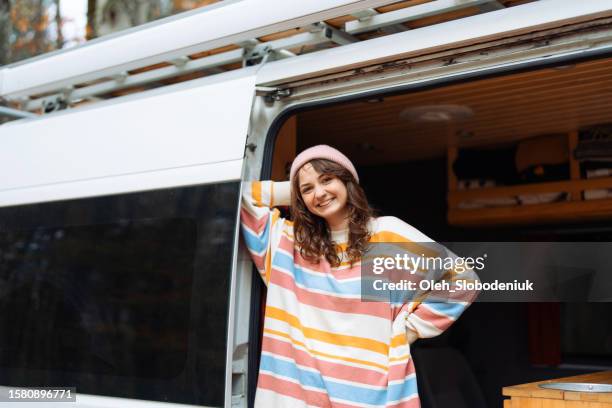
(532, 396)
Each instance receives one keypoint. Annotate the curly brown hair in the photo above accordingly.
(311, 231)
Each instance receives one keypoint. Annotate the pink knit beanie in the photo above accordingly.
(322, 152)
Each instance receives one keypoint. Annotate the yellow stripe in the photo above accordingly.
(327, 337)
(401, 358)
(392, 237)
(256, 192)
(318, 353)
(271, 194)
(275, 216)
(268, 267)
(398, 340)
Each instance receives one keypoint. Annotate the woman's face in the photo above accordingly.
(325, 195)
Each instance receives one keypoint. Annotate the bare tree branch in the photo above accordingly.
(5, 31)
(59, 42)
(92, 22)
(39, 28)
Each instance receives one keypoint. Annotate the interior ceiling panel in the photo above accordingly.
(505, 109)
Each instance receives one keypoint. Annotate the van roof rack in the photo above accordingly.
(223, 36)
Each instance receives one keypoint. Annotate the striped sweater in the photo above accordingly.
(322, 346)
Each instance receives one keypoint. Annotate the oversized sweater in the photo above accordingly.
(322, 345)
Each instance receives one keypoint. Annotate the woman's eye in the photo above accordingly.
(326, 180)
(305, 190)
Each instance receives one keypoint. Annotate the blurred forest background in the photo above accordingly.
(32, 27)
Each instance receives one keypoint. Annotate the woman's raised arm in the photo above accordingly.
(262, 224)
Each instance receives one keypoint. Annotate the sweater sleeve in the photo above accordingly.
(428, 313)
(262, 224)
(434, 311)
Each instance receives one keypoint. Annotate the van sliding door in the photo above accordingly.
(117, 233)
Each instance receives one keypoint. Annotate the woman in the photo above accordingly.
(322, 345)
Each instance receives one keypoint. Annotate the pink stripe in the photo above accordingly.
(287, 245)
(259, 261)
(411, 403)
(280, 386)
(401, 371)
(255, 224)
(329, 302)
(424, 313)
(462, 295)
(325, 268)
(457, 295)
(396, 309)
(326, 368)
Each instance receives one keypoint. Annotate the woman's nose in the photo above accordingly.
(319, 191)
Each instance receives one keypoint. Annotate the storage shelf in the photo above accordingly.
(573, 209)
(564, 211)
(570, 186)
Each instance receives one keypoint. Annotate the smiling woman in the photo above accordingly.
(322, 344)
(328, 197)
(324, 196)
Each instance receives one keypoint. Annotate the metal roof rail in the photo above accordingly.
(202, 30)
(121, 61)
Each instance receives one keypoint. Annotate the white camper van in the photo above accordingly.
(122, 271)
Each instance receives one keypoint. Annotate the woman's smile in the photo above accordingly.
(325, 203)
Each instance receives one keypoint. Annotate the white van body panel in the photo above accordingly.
(178, 137)
(465, 31)
(151, 180)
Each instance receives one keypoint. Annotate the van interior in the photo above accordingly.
(522, 156)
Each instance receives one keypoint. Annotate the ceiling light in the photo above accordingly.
(436, 113)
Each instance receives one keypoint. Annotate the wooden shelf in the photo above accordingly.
(571, 186)
(573, 209)
(535, 213)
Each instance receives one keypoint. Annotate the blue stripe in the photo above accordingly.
(337, 390)
(395, 296)
(325, 283)
(255, 243)
(288, 369)
(402, 297)
(402, 390)
(451, 309)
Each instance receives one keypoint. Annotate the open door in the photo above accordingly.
(117, 240)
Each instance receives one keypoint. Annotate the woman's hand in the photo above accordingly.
(411, 336)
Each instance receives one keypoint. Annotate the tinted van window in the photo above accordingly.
(123, 295)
